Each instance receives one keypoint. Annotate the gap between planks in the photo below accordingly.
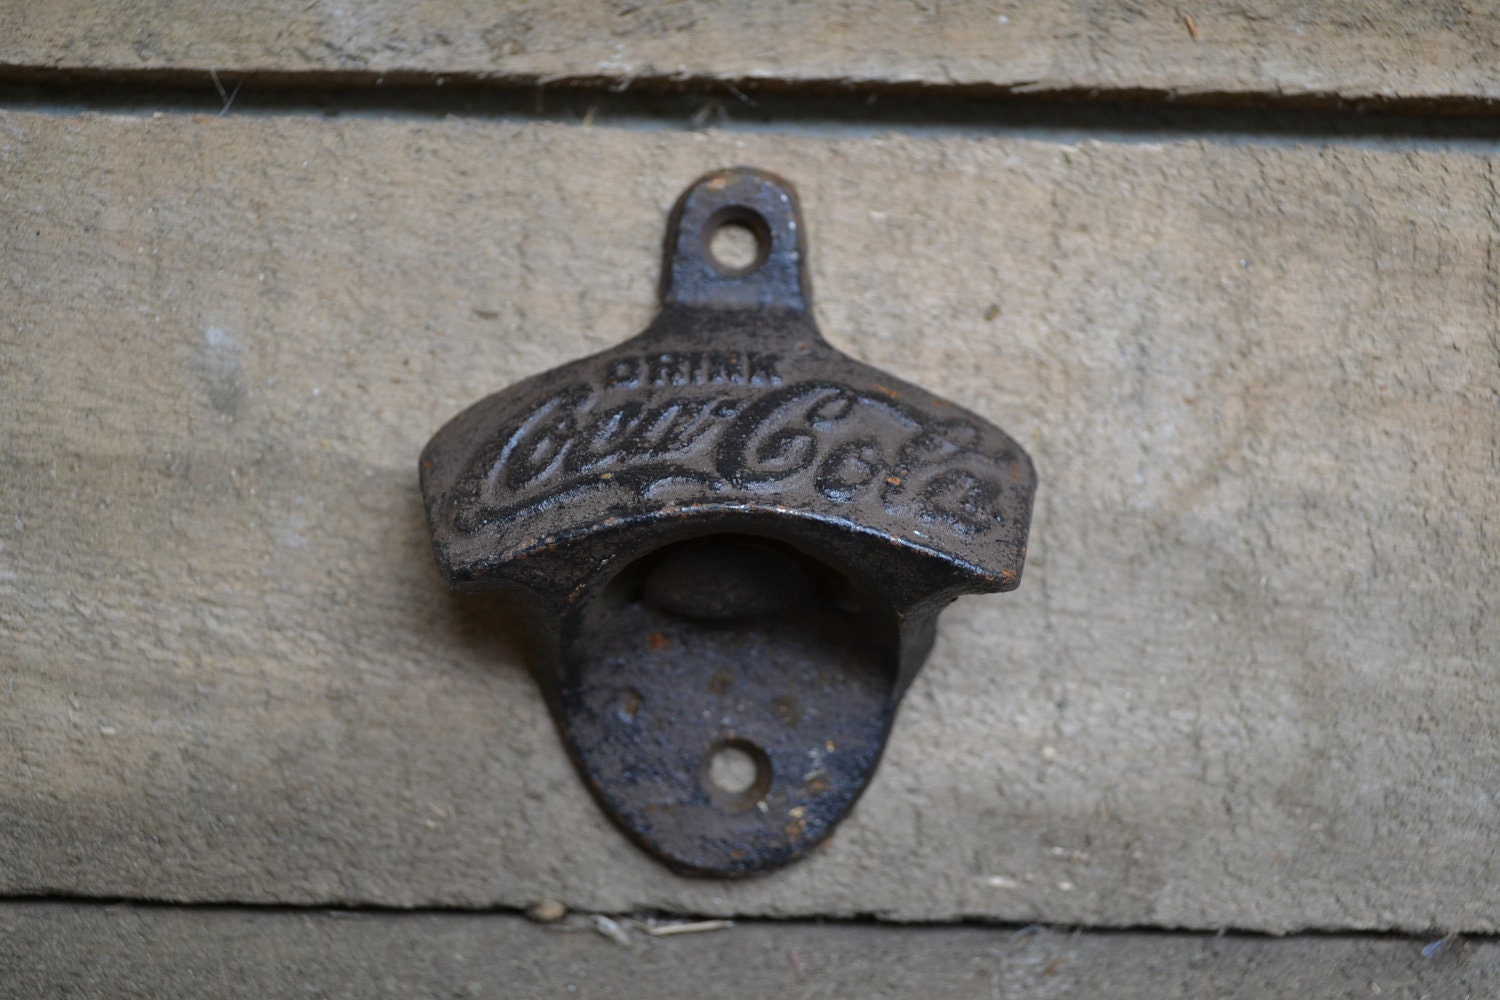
(832, 107)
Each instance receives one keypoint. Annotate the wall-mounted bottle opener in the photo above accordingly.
(734, 540)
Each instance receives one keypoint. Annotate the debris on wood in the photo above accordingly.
(611, 929)
(1439, 946)
(546, 911)
(1053, 966)
(685, 927)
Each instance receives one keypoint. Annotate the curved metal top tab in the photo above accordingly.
(764, 204)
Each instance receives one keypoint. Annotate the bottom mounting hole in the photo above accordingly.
(732, 770)
(736, 774)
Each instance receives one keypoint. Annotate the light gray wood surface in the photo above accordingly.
(1248, 680)
(160, 952)
(1439, 51)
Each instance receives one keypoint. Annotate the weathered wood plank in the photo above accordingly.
(1349, 49)
(1247, 681)
(163, 952)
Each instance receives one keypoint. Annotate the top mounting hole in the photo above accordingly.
(737, 241)
(734, 247)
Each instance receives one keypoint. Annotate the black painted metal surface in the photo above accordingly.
(734, 542)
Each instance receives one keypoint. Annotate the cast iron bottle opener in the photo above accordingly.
(733, 542)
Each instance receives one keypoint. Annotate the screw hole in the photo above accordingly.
(737, 241)
(736, 774)
(734, 247)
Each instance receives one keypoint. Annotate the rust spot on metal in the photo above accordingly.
(628, 704)
(788, 709)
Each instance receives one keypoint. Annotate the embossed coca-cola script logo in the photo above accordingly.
(728, 430)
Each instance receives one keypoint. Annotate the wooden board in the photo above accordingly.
(1248, 679)
(1272, 49)
(162, 952)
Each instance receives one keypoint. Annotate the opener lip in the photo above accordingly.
(480, 526)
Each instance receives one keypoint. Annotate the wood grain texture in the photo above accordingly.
(1248, 679)
(161, 952)
(1440, 50)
